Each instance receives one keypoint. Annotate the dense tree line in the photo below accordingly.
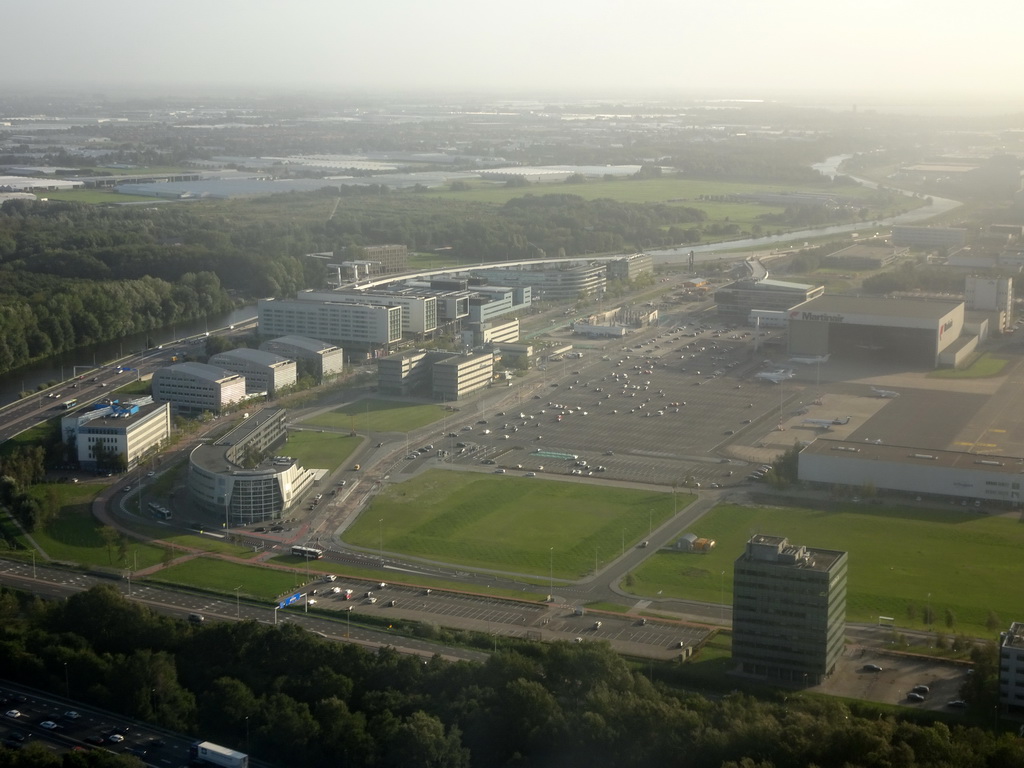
(300, 700)
(74, 274)
(912, 277)
(20, 469)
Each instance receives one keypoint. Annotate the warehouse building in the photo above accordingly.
(929, 237)
(919, 331)
(789, 610)
(951, 474)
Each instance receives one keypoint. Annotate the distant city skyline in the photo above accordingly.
(871, 53)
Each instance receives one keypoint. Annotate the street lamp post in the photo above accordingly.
(551, 571)
(380, 534)
(238, 608)
(33, 553)
(67, 682)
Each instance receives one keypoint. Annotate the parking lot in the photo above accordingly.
(897, 676)
(667, 409)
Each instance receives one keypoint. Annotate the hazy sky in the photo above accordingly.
(602, 47)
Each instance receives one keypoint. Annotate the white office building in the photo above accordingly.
(324, 360)
(196, 387)
(419, 311)
(114, 435)
(370, 327)
(263, 371)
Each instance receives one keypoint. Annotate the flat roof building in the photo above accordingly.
(409, 372)
(917, 330)
(630, 267)
(387, 259)
(322, 360)
(1011, 668)
(196, 387)
(929, 237)
(789, 610)
(115, 436)
(871, 254)
(491, 333)
(419, 311)
(458, 376)
(736, 300)
(369, 327)
(263, 371)
(565, 282)
(953, 474)
(490, 302)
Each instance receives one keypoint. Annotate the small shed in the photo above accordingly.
(691, 542)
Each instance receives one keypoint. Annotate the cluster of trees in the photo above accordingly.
(913, 277)
(290, 697)
(72, 275)
(20, 469)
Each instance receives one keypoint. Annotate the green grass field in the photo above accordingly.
(900, 563)
(373, 415)
(323, 450)
(74, 536)
(95, 196)
(514, 524)
(222, 576)
(985, 366)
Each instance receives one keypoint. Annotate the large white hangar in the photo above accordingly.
(956, 474)
(916, 331)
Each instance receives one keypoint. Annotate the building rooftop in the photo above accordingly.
(463, 359)
(868, 451)
(203, 371)
(861, 305)
(769, 284)
(257, 356)
(115, 414)
(1015, 637)
(778, 551)
(305, 342)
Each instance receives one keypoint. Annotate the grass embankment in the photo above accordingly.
(372, 415)
(902, 562)
(986, 366)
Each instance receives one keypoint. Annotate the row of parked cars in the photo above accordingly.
(918, 693)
